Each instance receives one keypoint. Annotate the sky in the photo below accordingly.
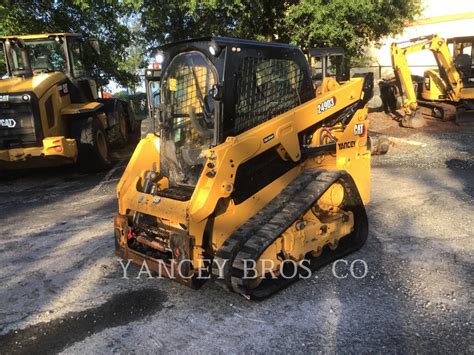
(446, 7)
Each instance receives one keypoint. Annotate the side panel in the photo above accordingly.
(51, 103)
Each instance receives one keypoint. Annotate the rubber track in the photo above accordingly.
(229, 249)
(260, 231)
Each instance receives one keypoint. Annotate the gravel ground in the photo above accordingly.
(62, 288)
(438, 145)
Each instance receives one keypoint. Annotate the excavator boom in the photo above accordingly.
(447, 84)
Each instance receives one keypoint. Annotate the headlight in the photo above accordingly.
(159, 57)
(214, 49)
(16, 99)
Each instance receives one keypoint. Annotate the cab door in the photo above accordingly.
(83, 88)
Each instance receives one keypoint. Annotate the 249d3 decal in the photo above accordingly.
(326, 105)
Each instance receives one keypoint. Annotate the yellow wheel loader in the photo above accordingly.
(50, 113)
(252, 177)
(452, 84)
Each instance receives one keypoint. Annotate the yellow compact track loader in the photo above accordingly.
(50, 113)
(452, 84)
(253, 177)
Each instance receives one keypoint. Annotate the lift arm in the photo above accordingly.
(440, 50)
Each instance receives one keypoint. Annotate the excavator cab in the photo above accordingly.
(463, 54)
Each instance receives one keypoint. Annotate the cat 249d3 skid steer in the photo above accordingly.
(253, 176)
(50, 113)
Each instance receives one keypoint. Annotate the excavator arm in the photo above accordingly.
(448, 72)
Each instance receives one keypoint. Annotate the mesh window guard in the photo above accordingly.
(186, 94)
(265, 88)
(186, 87)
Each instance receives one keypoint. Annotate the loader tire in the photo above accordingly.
(92, 145)
(118, 134)
(136, 133)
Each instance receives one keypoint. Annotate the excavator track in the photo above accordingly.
(259, 232)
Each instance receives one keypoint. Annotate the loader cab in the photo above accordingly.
(37, 54)
(41, 55)
(326, 62)
(216, 87)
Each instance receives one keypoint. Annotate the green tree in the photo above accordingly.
(105, 20)
(351, 24)
(165, 21)
(124, 26)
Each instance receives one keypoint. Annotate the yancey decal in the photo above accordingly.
(345, 145)
(326, 105)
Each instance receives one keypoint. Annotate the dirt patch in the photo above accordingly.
(386, 124)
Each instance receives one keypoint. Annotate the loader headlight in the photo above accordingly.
(26, 98)
(214, 49)
(159, 58)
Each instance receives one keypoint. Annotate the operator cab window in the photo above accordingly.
(188, 116)
(334, 62)
(45, 56)
(155, 93)
(464, 61)
(333, 65)
(3, 63)
(316, 68)
(77, 59)
(17, 60)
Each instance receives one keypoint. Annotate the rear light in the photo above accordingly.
(58, 149)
